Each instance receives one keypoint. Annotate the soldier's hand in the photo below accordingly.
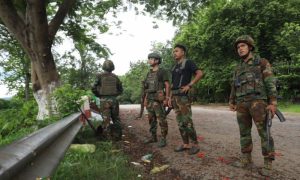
(145, 102)
(165, 102)
(169, 102)
(272, 109)
(185, 89)
(232, 107)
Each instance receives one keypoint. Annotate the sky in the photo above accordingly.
(133, 44)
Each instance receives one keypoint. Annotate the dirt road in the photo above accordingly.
(218, 136)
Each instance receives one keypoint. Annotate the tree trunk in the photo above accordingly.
(36, 35)
(27, 89)
(46, 103)
(44, 79)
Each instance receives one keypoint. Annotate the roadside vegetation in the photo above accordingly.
(289, 107)
(17, 119)
(208, 29)
(107, 161)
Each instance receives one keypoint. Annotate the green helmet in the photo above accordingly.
(108, 65)
(155, 56)
(245, 39)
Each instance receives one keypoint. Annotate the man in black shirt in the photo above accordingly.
(182, 82)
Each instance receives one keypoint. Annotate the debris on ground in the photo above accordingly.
(84, 148)
(159, 169)
(147, 158)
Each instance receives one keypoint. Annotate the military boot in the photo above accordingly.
(162, 143)
(267, 169)
(153, 139)
(245, 161)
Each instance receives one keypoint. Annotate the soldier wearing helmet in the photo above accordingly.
(107, 87)
(108, 66)
(253, 95)
(157, 89)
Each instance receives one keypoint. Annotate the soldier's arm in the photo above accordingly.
(269, 82)
(165, 79)
(232, 97)
(96, 84)
(198, 76)
(120, 86)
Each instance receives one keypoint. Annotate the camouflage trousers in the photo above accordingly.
(183, 111)
(156, 113)
(109, 108)
(256, 110)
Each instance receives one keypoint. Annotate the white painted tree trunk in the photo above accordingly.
(46, 103)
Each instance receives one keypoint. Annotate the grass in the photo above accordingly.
(15, 136)
(289, 107)
(107, 162)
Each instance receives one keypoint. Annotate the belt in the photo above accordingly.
(177, 92)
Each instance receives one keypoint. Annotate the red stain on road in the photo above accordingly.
(201, 155)
(222, 160)
(278, 154)
(200, 138)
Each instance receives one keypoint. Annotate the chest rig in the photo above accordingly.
(249, 79)
(152, 83)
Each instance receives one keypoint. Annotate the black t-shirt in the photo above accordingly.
(182, 77)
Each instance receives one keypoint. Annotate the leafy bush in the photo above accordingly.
(18, 117)
(67, 99)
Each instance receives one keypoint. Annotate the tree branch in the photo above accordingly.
(13, 21)
(58, 19)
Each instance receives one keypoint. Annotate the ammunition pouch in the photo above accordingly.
(160, 95)
(157, 96)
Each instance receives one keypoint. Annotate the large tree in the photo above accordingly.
(35, 23)
(29, 25)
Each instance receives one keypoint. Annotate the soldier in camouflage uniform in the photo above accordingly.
(253, 94)
(107, 87)
(157, 91)
(182, 83)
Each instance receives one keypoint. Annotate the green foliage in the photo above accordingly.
(68, 98)
(15, 64)
(210, 35)
(18, 116)
(177, 11)
(132, 82)
(289, 107)
(101, 164)
(4, 104)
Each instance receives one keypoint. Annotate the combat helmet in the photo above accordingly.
(108, 65)
(245, 39)
(155, 56)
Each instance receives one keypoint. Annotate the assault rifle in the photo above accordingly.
(98, 131)
(269, 123)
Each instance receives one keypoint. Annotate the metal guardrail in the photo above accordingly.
(38, 154)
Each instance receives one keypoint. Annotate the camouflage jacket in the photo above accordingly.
(252, 80)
